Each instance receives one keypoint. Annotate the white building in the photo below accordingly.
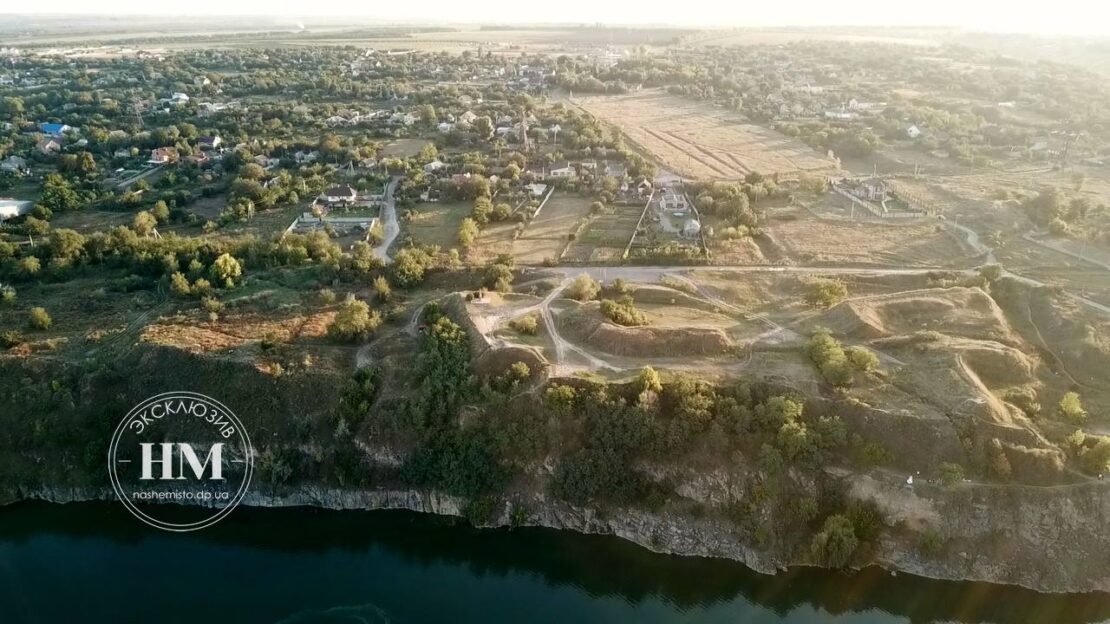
(13, 208)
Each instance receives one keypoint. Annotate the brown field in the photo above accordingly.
(701, 141)
(403, 148)
(437, 224)
(546, 235)
(606, 236)
(809, 241)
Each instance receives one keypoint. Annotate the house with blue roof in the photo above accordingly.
(55, 129)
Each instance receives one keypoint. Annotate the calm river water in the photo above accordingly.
(92, 562)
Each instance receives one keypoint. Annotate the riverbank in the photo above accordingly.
(684, 536)
(92, 562)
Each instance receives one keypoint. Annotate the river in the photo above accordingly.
(92, 562)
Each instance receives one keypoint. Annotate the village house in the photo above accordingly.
(404, 119)
(913, 132)
(123, 152)
(691, 228)
(10, 208)
(49, 145)
(265, 161)
(13, 164)
(673, 201)
(339, 195)
(56, 129)
(163, 155)
(209, 142)
(871, 189)
(562, 170)
(302, 157)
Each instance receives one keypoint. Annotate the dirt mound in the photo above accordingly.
(964, 312)
(585, 326)
(495, 361)
(995, 364)
(665, 295)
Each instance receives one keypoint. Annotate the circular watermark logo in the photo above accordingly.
(185, 449)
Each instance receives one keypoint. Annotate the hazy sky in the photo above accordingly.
(1056, 16)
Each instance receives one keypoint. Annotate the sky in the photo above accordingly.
(1080, 17)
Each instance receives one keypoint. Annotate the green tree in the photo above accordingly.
(58, 195)
(143, 223)
(354, 321)
(1071, 408)
(225, 270)
(584, 288)
(468, 232)
(835, 544)
(38, 318)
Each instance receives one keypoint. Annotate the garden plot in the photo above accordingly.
(698, 140)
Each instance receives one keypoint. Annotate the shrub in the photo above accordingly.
(526, 324)
(1096, 459)
(584, 288)
(11, 338)
(830, 358)
(862, 359)
(835, 543)
(7, 294)
(825, 292)
(354, 321)
(950, 474)
(38, 319)
(1071, 408)
(382, 288)
(623, 313)
(512, 378)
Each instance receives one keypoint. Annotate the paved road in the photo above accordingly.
(389, 220)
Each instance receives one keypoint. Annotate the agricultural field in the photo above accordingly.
(547, 234)
(700, 141)
(803, 239)
(436, 224)
(403, 148)
(606, 235)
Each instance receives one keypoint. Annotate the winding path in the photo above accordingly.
(389, 218)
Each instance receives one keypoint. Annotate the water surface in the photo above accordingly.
(92, 562)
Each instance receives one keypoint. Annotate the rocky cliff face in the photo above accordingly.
(1046, 539)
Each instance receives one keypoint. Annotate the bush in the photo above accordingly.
(623, 313)
(834, 545)
(354, 321)
(11, 338)
(584, 288)
(526, 324)
(1071, 408)
(382, 288)
(825, 292)
(862, 359)
(7, 294)
(831, 359)
(37, 318)
(950, 474)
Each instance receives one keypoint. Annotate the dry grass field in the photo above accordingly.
(822, 241)
(547, 234)
(437, 224)
(606, 236)
(403, 148)
(701, 141)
